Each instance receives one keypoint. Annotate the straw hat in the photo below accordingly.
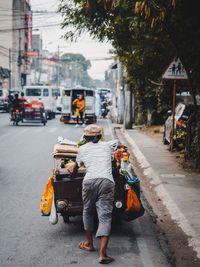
(93, 130)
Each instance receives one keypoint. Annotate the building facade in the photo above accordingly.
(15, 39)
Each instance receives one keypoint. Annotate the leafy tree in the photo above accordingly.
(146, 35)
(137, 46)
(78, 68)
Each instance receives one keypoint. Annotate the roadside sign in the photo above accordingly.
(32, 54)
(175, 71)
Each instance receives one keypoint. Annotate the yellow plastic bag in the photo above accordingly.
(47, 198)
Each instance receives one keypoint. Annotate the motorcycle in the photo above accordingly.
(16, 116)
(104, 109)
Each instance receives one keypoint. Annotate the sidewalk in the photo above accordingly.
(178, 190)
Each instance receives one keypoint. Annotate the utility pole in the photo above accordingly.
(128, 107)
(10, 62)
(19, 58)
(58, 69)
(120, 91)
(19, 43)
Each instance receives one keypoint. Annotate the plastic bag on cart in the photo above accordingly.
(65, 141)
(47, 197)
(132, 203)
(132, 209)
(53, 218)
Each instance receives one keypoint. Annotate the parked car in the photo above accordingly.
(182, 114)
(4, 100)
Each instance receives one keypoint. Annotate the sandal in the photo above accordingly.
(83, 246)
(106, 260)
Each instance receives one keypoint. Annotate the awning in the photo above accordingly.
(4, 73)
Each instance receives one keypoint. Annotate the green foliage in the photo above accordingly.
(146, 35)
(144, 52)
(79, 65)
(179, 138)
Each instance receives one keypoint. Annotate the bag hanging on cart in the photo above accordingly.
(132, 203)
(47, 198)
(133, 207)
(53, 218)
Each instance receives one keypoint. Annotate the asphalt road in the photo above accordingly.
(28, 239)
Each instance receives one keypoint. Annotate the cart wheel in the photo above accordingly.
(66, 218)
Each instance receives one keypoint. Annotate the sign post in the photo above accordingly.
(175, 72)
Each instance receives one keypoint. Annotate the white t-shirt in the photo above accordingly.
(97, 159)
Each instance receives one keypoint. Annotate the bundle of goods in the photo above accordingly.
(121, 156)
(64, 151)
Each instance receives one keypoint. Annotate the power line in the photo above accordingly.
(26, 28)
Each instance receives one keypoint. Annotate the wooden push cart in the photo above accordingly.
(68, 187)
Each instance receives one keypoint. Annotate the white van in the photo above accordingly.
(68, 110)
(57, 94)
(44, 94)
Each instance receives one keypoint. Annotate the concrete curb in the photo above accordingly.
(162, 193)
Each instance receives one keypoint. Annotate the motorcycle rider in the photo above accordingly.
(104, 108)
(16, 103)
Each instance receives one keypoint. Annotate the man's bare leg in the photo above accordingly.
(88, 243)
(103, 257)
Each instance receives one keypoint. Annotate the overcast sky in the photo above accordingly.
(52, 38)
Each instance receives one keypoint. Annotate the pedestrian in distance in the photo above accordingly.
(97, 190)
(79, 104)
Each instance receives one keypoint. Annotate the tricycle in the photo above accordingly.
(30, 112)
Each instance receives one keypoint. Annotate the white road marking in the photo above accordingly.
(174, 211)
(5, 135)
(38, 130)
(172, 175)
(22, 131)
(53, 130)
